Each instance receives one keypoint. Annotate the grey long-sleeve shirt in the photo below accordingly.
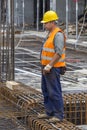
(59, 43)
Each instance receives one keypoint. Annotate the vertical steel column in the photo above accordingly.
(23, 15)
(7, 40)
(43, 10)
(54, 5)
(3, 74)
(43, 6)
(7, 48)
(76, 23)
(76, 19)
(12, 40)
(0, 11)
(51, 4)
(0, 40)
(37, 15)
(9, 12)
(67, 18)
(16, 12)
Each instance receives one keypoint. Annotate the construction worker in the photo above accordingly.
(52, 61)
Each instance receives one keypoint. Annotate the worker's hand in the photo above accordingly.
(47, 69)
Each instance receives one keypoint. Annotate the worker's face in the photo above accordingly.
(48, 26)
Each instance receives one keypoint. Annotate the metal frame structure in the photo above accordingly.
(67, 10)
(7, 40)
(7, 32)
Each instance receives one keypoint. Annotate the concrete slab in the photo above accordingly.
(71, 42)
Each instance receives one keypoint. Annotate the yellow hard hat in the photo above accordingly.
(49, 16)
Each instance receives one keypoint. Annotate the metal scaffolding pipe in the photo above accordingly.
(76, 19)
(37, 15)
(0, 11)
(76, 23)
(43, 6)
(16, 13)
(9, 12)
(23, 14)
(43, 10)
(67, 18)
(54, 5)
(12, 39)
(3, 74)
(0, 43)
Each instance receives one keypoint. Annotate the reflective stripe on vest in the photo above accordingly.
(48, 51)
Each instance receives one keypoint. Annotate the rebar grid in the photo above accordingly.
(30, 103)
(8, 116)
(75, 106)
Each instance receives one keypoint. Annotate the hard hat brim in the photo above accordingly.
(43, 21)
(49, 21)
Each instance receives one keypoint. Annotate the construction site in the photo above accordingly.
(21, 38)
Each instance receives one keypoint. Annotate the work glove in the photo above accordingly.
(47, 69)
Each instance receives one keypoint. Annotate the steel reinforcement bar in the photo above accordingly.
(30, 102)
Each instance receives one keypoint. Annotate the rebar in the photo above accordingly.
(30, 103)
(6, 41)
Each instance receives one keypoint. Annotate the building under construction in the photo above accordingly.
(21, 36)
(31, 12)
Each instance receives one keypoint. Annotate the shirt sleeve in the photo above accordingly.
(59, 42)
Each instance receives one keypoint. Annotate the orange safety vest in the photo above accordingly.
(48, 50)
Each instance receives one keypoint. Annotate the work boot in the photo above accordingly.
(43, 116)
(54, 120)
